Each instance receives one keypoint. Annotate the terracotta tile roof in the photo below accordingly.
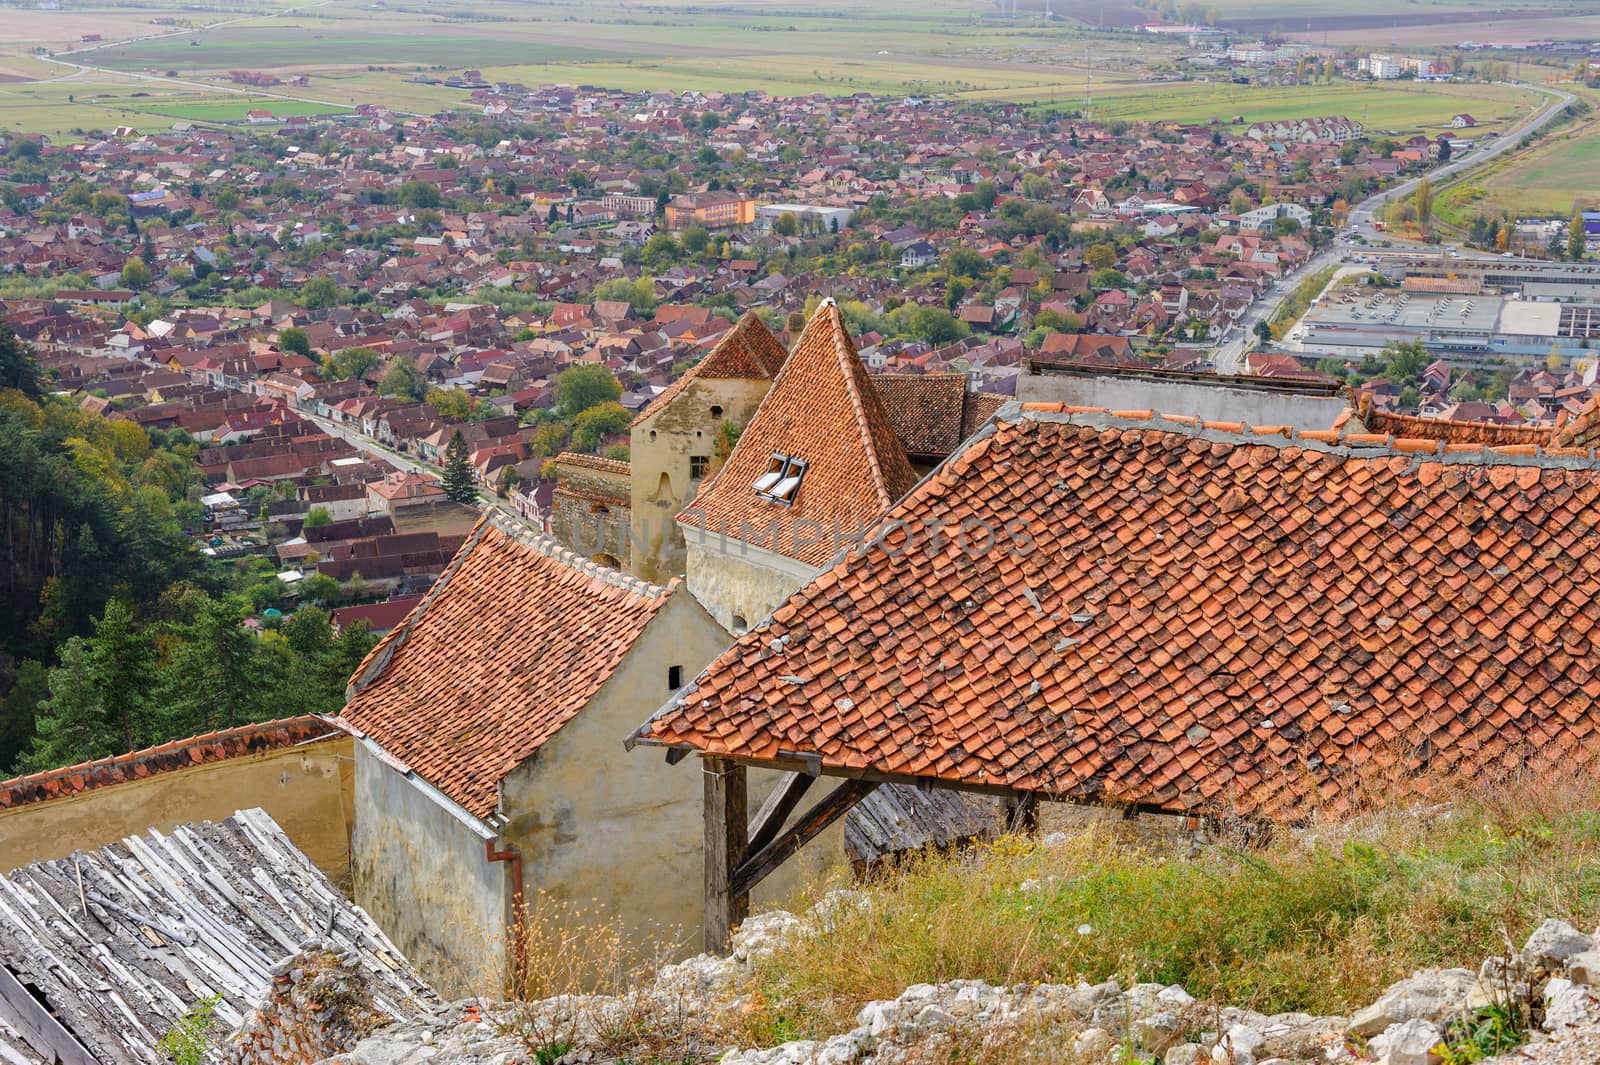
(924, 409)
(1582, 429)
(595, 462)
(1187, 615)
(179, 754)
(513, 641)
(977, 408)
(933, 413)
(822, 409)
(1456, 432)
(748, 350)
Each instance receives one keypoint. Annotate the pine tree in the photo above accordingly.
(17, 368)
(459, 483)
(123, 669)
(71, 726)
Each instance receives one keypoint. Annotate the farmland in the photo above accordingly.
(355, 53)
(1551, 178)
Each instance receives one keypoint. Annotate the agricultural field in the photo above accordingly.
(356, 53)
(1550, 179)
(1383, 106)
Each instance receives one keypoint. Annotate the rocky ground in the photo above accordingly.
(1552, 985)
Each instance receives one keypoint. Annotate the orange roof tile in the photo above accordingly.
(1581, 430)
(1455, 432)
(748, 350)
(179, 754)
(513, 641)
(822, 409)
(1184, 615)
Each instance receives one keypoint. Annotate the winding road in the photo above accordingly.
(1241, 337)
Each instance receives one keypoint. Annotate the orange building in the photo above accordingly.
(714, 210)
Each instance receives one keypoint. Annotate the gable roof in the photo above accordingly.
(748, 350)
(1190, 614)
(823, 409)
(513, 641)
(205, 909)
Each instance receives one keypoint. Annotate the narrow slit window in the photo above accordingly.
(674, 678)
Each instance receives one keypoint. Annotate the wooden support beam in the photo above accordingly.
(1022, 812)
(776, 810)
(764, 862)
(726, 840)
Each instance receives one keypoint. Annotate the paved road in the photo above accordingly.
(1238, 339)
(365, 443)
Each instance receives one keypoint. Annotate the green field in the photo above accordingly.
(1388, 106)
(233, 109)
(355, 53)
(343, 44)
(1551, 179)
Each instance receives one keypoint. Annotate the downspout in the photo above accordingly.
(517, 926)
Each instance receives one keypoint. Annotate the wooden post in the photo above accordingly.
(727, 836)
(1022, 813)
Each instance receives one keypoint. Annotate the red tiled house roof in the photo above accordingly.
(933, 413)
(1187, 616)
(748, 350)
(179, 754)
(513, 641)
(823, 409)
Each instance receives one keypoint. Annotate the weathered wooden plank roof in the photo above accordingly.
(896, 818)
(117, 943)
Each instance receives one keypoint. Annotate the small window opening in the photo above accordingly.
(698, 464)
(716, 411)
(674, 678)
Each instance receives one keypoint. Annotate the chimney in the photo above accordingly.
(797, 324)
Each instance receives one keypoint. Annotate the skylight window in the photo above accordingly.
(782, 479)
(774, 474)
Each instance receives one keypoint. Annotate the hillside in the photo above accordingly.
(1421, 935)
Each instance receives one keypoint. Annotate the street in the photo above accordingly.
(1241, 338)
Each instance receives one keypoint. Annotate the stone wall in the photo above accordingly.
(320, 1004)
(739, 584)
(307, 789)
(590, 510)
(665, 447)
(618, 835)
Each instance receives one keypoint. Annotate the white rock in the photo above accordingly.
(1568, 1005)
(1584, 968)
(1174, 995)
(1238, 1046)
(1552, 943)
(1409, 1043)
(1093, 1044)
(1430, 995)
(1183, 1054)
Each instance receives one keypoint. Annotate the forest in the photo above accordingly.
(116, 632)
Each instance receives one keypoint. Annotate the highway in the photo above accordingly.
(1239, 339)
